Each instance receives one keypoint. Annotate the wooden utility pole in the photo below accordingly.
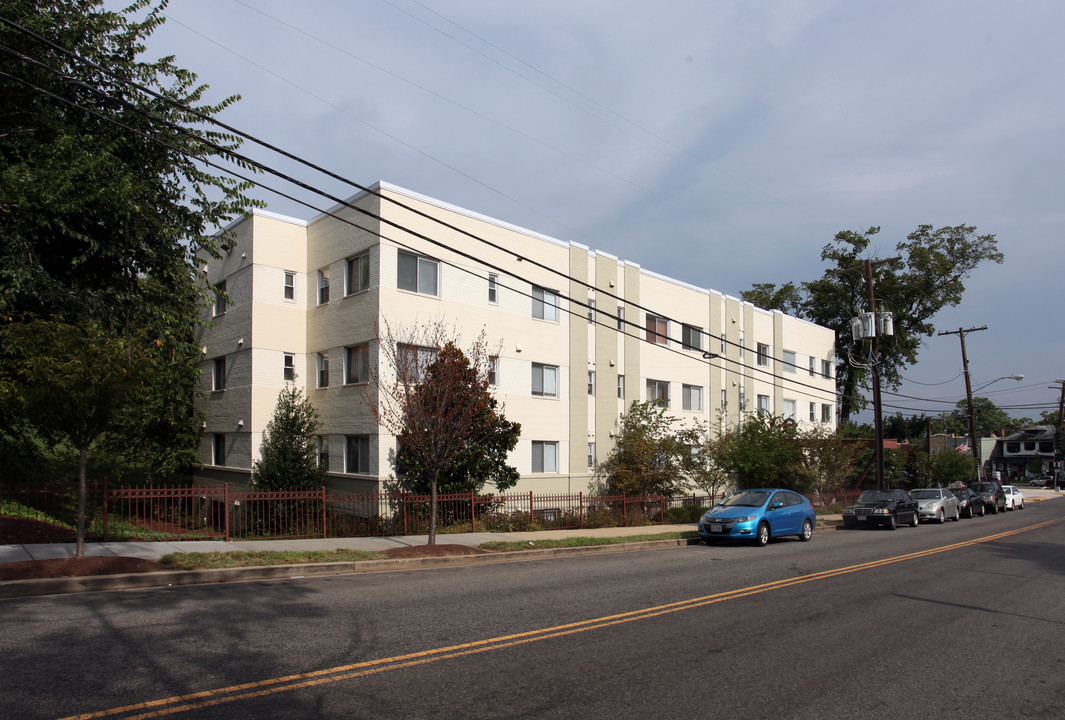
(878, 422)
(974, 443)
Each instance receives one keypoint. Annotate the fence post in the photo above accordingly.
(473, 512)
(532, 515)
(325, 532)
(624, 511)
(225, 509)
(580, 504)
(403, 502)
(662, 507)
(105, 508)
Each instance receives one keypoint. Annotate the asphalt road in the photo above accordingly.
(963, 619)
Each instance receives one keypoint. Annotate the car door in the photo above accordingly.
(777, 513)
(905, 506)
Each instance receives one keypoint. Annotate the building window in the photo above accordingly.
(357, 454)
(219, 376)
(621, 318)
(323, 286)
(789, 362)
(1013, 447)
(693, 397)
(356, 364)
(545, 380)
(723, 399)
(323, 370)
(691, 337)
(220, 299)
(658, 391)
(826, 413)
(813, 367)
(493, 371)
(493, 288)
(722, 343)
(791, 410)
(826, 368)
(544, 456)
(591, 382)
(357, 274)
(544, 304)
(290, 367)
(763, 404)
(591, 311)
(323, 451)
(813, 412)
(657, 329)
(218, 449)
(621, 387)
(741, 348)
(417, 274)
(763, 354)
(290, 286)
(1045, 446)
(591, 455)
(743, 399)
(413, 362)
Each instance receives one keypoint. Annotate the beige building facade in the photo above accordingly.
(581, 334)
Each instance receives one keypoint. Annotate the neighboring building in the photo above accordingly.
(305, 298)
(1027, 453)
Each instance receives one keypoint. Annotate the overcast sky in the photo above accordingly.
(720, 143)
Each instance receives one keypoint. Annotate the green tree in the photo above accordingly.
(436, 400)
(988, 417)
(766, 451)
(70, 384)
(829, 458)
(104, 197)
(931, 275)
(649, 454)
(288, 455)
(951, 467)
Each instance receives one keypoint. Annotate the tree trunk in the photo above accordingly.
(83, 490)
(432, 509)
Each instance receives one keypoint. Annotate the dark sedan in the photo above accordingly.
(992, 494)
(969, 502)
(882, 507)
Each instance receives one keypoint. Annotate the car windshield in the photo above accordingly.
(745, 499)
(926, 494)
(872, 496)
(984, 487)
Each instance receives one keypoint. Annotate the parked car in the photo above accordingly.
(758, 515)
(936, 504)
(992, 494)
(1014, 498)
(882, 507)
(969, 502)
(1040, 482)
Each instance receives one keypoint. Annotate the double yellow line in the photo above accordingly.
(247, 691)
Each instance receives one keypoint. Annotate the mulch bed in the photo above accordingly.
(23, 531)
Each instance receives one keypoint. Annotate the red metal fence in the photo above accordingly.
(225, 513)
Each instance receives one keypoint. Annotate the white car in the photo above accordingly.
(1014, 498)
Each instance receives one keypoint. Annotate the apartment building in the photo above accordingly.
(581, 334)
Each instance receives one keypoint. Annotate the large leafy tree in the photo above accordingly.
(288, 456)
(437, 400)
(987, 416)
(931, 275)
(767, 452)
(104, 197)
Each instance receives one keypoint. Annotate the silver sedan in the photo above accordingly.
(936, 504)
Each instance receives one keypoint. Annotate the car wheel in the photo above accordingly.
(994, 509)
(892, 522)
(983, 510)
(1021, 506)
(915, 520)
(941, 517)
(807, 530)
(957, 514)
(761, 538)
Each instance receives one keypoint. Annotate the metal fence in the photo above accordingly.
(228, 513)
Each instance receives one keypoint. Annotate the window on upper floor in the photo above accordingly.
(544, 456)
(658, 391)
(219, 376)
(591, 311)
(826, 368)
(418, 274)
(493, 288)
(763, 404)
(813, 366)
(691, 337)
(544, 304)
(289, 368)
(290, 285)
(357, 274)
(591, 454)
(357, 364)
(790, 365)
(591, 382)
(544, 380)
(323, 370)
(220, 299)
(493, 371)
(657, 329)
(692, 398)
(763, 354)
(621, 387)
(218, 449)
(826, 412)
(791, 410)
(413, 362)
(323, 286)
(621, 318)
(323, 451)
(813, 412)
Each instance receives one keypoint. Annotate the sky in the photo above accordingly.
(722, 143)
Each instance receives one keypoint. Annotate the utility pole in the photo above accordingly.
(1059, 434)
(974, 443)
(878, 422)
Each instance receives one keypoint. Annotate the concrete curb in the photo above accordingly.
(134, 581)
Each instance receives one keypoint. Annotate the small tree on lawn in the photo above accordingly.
(649, 456)
(288, 456)
(829, 458)
(765, 452)
(437, 403)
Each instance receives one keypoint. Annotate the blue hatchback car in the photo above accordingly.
(758, 515)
